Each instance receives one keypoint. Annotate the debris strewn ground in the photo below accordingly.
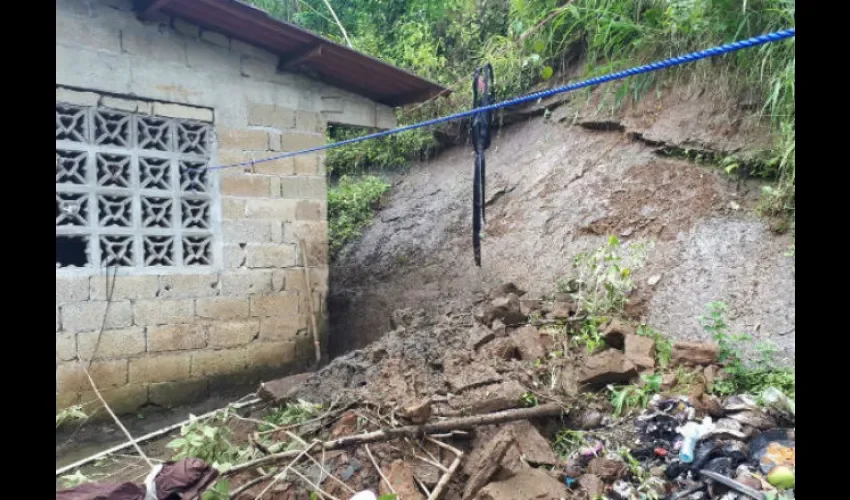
(513, 399)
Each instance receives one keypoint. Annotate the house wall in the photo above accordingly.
(173, 335)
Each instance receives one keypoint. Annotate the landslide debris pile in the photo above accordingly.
(513, 352)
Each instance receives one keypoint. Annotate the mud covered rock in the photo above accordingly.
(478, 336)
(505, 290)
(419, 412)
(591, 484)
(607, 470)
(640, 351)
(488, 461)
(504, 348)
(400, 475)
(562, 310)
(606, 367)
(616, 332)
(506, 309)
(694, 353)
(530, 484)
(463, 374)
(275, 391)
(490, 398)
(529, 344)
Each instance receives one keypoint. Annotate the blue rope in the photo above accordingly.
(646, 68)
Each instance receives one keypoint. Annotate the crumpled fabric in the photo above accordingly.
(182, 480)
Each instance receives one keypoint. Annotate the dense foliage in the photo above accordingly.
(527, 42)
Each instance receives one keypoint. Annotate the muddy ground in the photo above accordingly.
(562, 184)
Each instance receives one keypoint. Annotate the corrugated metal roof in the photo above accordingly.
(303, 51)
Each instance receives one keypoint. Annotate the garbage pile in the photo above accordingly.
(738, 451)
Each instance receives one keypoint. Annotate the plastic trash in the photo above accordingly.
(692, 432)
(364, 495)
(776, 399)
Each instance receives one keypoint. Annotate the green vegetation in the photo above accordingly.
(753, 377)
(663, 346)
(351, 204)
(529, 41)
(628, 397)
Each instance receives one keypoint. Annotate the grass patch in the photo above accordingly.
(751, 377)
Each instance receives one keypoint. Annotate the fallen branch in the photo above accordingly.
(378, 468)
(416, 431)
(444, 480)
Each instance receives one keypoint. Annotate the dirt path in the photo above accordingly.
(556, 190)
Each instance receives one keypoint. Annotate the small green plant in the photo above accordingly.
(72, 480)
(752, 377)
(219, 491)
(604, 276)
(293, 413)
(70, 414)
(388, 496)
(567, 441)
(663, 346)
(529, 399)
(207, 442)
(629, 397)
(589, 336)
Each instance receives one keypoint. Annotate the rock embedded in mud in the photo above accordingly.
(534, 448)
(346, 425)
(479, 335)
(607, 470)
(606, 367)
(503, 348)
(505, 290)
(462, 374)
(616, 332)
(528, 343)
(400, 476)
(506, 309)
(419, 412)
(562, 310)
(591, 484)
(275, 391)
(498, 328)
(485, 464)
(531, 484)
(529, 306)
(694, 353)
(490, 398)
(640, 351)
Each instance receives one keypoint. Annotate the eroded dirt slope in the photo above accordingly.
(559, 186)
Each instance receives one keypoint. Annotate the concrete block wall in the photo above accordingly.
(172, 338)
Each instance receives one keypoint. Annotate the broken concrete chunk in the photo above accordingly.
(615, 333)
(694, 353)
(400, 475)
(418, 413)
(607, 367)
(275, 391)
(562, 310)
(530, 484)
(528, 343)
(505, 290)
(478, 336)
(640, 351)
(607, 470)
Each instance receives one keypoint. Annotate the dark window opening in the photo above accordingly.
(71, 251)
